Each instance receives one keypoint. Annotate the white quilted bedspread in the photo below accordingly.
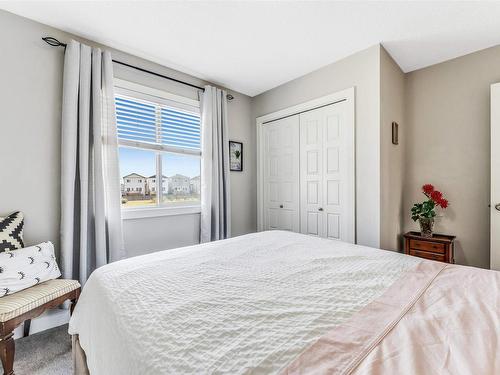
(247, 305)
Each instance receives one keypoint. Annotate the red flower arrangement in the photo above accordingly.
(425, 212)
(426, 209)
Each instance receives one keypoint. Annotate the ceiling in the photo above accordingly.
(252, 47)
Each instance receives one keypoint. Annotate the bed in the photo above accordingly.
(285, 303)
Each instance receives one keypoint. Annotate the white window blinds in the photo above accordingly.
(158, 126)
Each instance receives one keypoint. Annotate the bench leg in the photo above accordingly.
(7, 350)
(72, 306)
(26, 330)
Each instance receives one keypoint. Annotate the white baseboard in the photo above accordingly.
(49, 319)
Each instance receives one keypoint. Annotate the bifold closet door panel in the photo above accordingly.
(327, 172)
(311, 173)
(281, 174)
(338, 173)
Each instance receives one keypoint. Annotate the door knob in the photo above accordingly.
(320, 209)
(497, 206)
(281, 206)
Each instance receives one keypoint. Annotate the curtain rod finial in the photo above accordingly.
(53, 42)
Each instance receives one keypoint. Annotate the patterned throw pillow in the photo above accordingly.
(23, 268)
(11, 231)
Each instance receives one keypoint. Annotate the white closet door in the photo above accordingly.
(311, 176)
(338, 195)
(327, 172)
(281, 174)
(495, 178)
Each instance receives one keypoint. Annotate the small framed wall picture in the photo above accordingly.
(236, 156)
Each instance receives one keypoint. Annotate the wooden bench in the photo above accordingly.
(26, 305)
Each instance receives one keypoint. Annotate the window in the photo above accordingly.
(158, 133)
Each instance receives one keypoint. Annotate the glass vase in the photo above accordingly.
(426, 226)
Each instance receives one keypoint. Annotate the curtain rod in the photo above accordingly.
(56, 43)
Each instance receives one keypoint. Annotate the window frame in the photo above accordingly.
(163, 98)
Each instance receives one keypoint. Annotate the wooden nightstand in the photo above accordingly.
(439, 247)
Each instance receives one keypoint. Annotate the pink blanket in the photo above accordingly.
(438, 319)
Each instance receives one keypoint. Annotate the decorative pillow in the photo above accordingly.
(11, 231)
(20, 269)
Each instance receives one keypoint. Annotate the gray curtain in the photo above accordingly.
(215, 189)
(91, 228)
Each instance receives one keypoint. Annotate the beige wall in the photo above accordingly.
(448, 145)
(392, 91)
(243, 184)
(360, 70)
(30, 108)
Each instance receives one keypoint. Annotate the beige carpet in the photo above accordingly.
(44, 353)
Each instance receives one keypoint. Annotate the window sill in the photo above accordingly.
(140, 213)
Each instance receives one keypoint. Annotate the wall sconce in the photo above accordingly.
(395, 136)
